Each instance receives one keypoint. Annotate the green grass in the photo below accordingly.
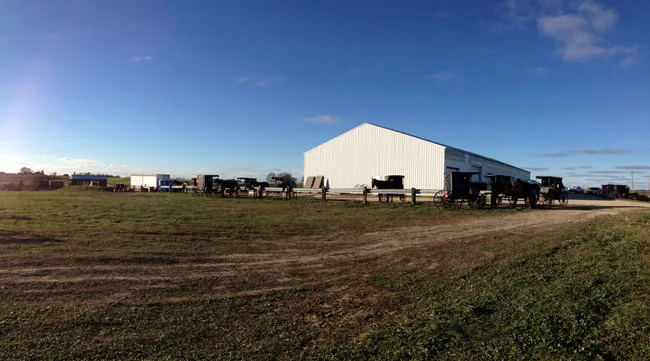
(579, 296)
(94, 275)
(123, 180)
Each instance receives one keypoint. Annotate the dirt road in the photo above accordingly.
(300, 261)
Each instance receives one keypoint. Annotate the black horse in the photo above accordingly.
(284, 182)
(252, 183)
(393, 182)
(220, 185)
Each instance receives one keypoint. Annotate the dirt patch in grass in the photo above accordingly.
(190, 278)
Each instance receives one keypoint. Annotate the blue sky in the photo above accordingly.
(242, 88)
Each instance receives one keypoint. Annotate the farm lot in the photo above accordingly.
(95, 275)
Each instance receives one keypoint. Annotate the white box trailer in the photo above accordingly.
(147, 180)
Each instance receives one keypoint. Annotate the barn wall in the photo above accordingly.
(466, 162)
(143, 180)
(147, 180)
(353, 158)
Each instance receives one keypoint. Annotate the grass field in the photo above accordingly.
(123, 180)
(94, 275)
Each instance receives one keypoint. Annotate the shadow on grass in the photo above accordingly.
(128, 260)
(585, 208)
(7, 237)
(15, 218)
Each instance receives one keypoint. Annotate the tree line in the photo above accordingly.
(29, 171)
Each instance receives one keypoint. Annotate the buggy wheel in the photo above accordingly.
(511, 199)
(452, 204)
(564, 200)
(438, 198)
(548, 202)
(478, 203)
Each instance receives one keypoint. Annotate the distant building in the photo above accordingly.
(89, 180)
(148, 180)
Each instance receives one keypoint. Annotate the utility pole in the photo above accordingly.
(632, 181)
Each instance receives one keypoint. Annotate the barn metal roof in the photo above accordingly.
(88, 177)
(431, 141)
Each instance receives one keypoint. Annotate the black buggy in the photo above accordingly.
(614, 191)
(460, 188)
(552, 190)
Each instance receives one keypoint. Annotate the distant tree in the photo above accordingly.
(25, 170)
(53, 174)
(66, 175)
(286, 175)
(283, 175)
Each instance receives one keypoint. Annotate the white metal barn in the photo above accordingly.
(147, 180)
(355, 157)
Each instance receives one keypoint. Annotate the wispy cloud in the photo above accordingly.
(443, 76)
(355, 70)
(568, 168)
(610, 172)
(257, 81)
(536, 169)
(578, 29)
(584, 167)
(79, 162)
(321, 119)
(538, 70)
(633, 167)
(554, 154)
(244, 79)
(72, 164)
(139, 58)
(600, 151)
(605, 151)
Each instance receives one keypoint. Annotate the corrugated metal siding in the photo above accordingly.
(487, 166)
(143, 180)
(147, 180)
(353, 158)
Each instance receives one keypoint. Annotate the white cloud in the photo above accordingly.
(244, 79)
(79, 162)
(139, 58)
(601, 19)
(258, 81)
(321, 119)
(538, 70)
(577, 29)
(9, 163)
(444, 76)
(355, 70)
